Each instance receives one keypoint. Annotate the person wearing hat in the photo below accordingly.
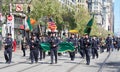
(73, 40)
(87, 43)
(8, 49)
(94, 46)
(33, 49)
(81, 46)
(53, 47)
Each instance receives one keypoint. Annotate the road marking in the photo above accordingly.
(102, 66)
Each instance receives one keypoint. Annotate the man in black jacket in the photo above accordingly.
(8, 49)
(53, 46)
(33, 49)
(94, 45)
(87, 44)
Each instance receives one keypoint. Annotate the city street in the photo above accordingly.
(107, 62)
(59, 26)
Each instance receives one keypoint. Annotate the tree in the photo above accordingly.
(76, 18)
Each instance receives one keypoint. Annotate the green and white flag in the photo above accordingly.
(28, 24)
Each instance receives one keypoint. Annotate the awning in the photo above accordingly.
(73, 31)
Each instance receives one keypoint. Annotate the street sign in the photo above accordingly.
(19, 7)
(9, 17)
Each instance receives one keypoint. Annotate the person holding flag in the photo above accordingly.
(72, 40)
(53, 41)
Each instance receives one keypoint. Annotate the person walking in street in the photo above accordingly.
(81, 47)
(53, 47)
(94, 45)
(8, 49)
(42, 53)
(72, 40)
(24, 46)
(33, 50)
(108, 43)
(87, 44)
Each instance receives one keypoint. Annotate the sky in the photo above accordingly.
(117, 16)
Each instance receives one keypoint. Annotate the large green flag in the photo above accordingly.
(29, 24)
(62, 47)
(89, 25)
(45, 46)
(65, 46)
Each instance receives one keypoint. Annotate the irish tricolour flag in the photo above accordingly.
(28, 24)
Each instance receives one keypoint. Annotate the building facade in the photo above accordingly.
(103, 10)
(74, 4)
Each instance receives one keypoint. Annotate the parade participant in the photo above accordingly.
(108, 42)
(118, 43)
(86, 43)
(102, 45)
(81, 47)
(8, 49)
(53, 47)
(114, 42)
(59, 41)
(94, 45)
(42, 53)
(73, 40)
(33, 50)
(24, 46)
(48, 39)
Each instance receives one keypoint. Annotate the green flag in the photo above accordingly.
(45, 46)
(89, 25)
(29, 24)
(62, 47)
(65, 46)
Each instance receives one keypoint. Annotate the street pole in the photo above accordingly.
(0, 24)
(10, 13)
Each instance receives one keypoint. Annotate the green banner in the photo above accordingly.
(65, 46)
(62, 47)
(45, 46)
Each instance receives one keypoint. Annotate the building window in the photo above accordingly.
(18, 20)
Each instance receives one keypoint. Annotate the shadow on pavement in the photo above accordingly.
(72, 62)
(62, 59)
(111, 65)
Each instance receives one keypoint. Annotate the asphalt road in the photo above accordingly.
(107, 62)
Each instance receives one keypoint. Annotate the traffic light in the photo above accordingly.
(28, 9)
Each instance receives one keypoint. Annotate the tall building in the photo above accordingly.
(108, 15)
(103, 10)
(74, 4)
